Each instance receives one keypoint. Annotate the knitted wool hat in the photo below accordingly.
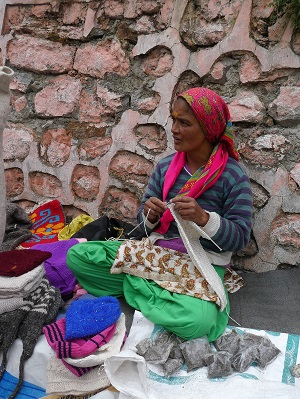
(112, 348)
(79, 347)
(88, 317)
(78, 371)
(60, 380)
(23, 285)
(26, 323)
(19, 261)
(57, 272)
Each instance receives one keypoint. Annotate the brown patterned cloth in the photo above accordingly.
(171, 270)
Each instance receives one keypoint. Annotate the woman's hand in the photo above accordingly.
(189, 209)
(153, 208)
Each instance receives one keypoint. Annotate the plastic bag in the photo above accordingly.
(195, 351)
(219, 364)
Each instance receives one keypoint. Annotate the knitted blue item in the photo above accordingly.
(91, 316)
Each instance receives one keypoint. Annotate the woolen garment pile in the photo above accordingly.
(27, 302)
(21, 272)
(96, 330)
(57, 272)
(39, 308)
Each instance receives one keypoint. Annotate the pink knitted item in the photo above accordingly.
(78, 347)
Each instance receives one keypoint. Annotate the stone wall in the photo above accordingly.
(91, 102)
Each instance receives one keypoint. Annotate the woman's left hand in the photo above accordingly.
(189, 209)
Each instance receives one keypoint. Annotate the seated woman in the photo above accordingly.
(201, 183)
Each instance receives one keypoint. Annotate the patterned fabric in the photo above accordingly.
(213, 115)
(48, 220)
(232, 280)
(171, 270)
(214, 118)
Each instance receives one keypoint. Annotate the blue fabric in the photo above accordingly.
(27, 391)
(91, 316)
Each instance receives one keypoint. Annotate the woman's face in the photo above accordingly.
(187, 133)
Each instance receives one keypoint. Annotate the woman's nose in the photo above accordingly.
(174, 128)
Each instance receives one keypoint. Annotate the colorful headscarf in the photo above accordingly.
(214, 118)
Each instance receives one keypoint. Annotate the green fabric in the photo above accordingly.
(186, 316)
(90, 263)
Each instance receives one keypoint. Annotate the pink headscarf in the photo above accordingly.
(214, 118)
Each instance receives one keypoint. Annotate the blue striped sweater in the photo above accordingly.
(230, 197)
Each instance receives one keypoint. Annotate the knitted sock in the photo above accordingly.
(26, 323)
(190, 233)
(9, 324)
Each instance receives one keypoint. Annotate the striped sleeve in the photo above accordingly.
(155, 184)
(236, 215)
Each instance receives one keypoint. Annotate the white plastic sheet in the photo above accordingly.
(135, 379)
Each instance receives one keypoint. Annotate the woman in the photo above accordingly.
(204, 184)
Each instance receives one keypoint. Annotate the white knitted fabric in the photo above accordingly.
(60, 380)
(23, 285)
(10, 304)
(111, 348)
(190, 233)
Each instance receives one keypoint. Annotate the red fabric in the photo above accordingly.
(48, 220)
(214, 117)
(19, 261)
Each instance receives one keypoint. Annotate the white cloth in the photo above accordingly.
(190, 234)
(10, 304)
(35, 367)
(21, 286)
(136, 379)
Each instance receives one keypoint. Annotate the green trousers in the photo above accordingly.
(186, 316)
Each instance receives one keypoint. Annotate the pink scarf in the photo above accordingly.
(214, 118)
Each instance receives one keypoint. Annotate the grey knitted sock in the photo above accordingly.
(26, 323)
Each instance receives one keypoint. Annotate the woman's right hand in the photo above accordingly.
(153, 208)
